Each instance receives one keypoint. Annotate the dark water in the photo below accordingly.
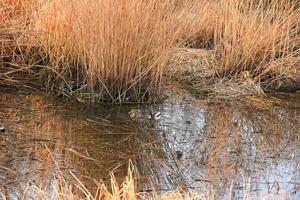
(217, 149)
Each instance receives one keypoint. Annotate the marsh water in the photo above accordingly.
(221, 149)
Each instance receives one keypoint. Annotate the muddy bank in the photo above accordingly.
(195, 145)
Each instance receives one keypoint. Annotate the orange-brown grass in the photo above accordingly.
(10, 29)
(114, 51)
(117, 52)
(76, 190)
(14, 19)
(64, 190)
(260, 37)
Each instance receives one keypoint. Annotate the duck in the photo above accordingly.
(154, 116)
(135, 113)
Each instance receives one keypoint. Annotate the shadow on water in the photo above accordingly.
(206, 148)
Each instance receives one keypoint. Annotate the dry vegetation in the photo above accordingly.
(119, 53)
(63, 189)
(113, 52)
(76, 190)
(254, 46)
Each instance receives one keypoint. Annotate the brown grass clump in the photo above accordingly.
(64, 190)
(256, 45)
(260, 38)
(14, 18)
(115, 52)
(118, 52)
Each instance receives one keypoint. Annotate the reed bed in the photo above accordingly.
(119, 52)
(108, 51)
(255, 43)
(252, 48)
(14, 19)
(261, 39)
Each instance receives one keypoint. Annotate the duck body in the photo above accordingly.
(154, 116)
(135, 113)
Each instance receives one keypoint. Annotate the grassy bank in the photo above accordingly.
(123, 52)
(252, 47)
(76, 190)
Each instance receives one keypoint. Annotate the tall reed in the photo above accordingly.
(259, 37)
(117, 52)
(114, 51)
(15, 16)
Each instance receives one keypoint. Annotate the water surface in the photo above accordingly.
(216, 149)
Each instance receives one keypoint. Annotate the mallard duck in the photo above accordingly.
(135, 113)
(2, 129)
(154, 116)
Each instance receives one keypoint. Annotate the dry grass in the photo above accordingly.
(14, 18)
(255, 44)
(113, 52)
(64, 190)
(118, 53)
(76, 190)
(258, 38)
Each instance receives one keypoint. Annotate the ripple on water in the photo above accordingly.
(206, 148)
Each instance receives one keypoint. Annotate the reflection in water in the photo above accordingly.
(206, 148)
